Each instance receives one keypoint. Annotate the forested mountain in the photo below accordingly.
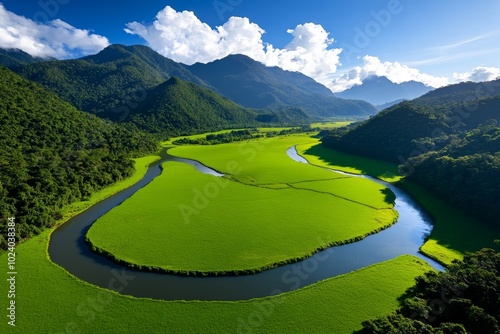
(120, 76)
(103, 83)
(12, 58)
(254, 85)
(52, 154)
(452, 148)
(177, 107)
(380, 90)
(461, 93)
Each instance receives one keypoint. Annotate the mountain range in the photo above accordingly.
(382, 92)
(254, 85)
(120, 75)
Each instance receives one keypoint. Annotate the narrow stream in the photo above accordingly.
(68, 249)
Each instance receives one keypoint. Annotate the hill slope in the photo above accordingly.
(452, 148)
(253, 85)
(177, 107)
(12, 58)
(117, 76)
(380, 90)
(52, 154)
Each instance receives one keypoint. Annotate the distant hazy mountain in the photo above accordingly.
(255, 85)
(11, 58)
(380, 91)
(389, 104)
(460, 93)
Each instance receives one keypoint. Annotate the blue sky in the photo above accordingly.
(435, 42)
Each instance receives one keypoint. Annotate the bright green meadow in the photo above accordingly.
(329, 125)
(269, 210)
(49, 300)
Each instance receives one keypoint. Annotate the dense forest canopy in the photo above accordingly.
(52, 154)
(464, 299)
(177, 107)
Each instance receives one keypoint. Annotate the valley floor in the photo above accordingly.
(65, 304)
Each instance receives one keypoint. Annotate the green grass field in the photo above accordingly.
(260, 130)
(453, 233)
(49, 300)
(244, 222)
(319, 155)
(329, 125)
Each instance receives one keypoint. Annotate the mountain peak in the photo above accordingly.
(174, 81)
(379, 90)
(110, 53)
(255, 85)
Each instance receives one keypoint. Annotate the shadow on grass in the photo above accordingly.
(352, 163)
(389, 196)
(452, 228)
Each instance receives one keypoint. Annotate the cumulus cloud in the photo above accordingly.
(478, 74)
(55, 39)
(181, 36)
(394, 71)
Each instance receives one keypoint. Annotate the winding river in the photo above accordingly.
(68, 249)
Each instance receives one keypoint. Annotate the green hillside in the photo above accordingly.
(52, 154)
(105, 83)
(178, 108)
(12, 58)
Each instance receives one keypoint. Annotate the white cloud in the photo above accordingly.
(55, 39)
(478, 74)
(394, 71)
(182, 37)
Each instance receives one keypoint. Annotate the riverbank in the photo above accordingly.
(69, 305)
(453, 233)
(277, 212)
